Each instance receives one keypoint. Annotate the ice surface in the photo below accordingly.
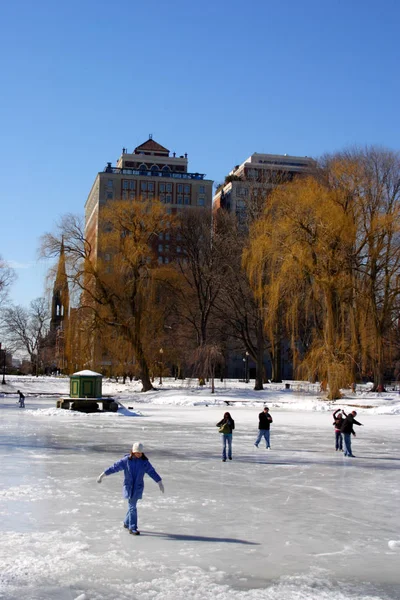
(300, 522)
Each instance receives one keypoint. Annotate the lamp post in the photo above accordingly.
(161, 365)
(4, 366)
(247, 367)
(244, 369)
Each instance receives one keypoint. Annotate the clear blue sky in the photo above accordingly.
(218, 80)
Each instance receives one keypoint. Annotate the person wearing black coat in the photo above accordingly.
(348, 431)
(264, 423)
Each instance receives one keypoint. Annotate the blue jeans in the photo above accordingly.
(263, 433)
(131, 519)
(347, 444)
(226, 439)
(338, 440)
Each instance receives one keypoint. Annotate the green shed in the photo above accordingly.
(85, 384)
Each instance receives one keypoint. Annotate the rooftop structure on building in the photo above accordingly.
(259, 173)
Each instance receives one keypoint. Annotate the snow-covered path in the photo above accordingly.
(300, 522)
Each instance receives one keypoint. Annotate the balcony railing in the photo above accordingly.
(149, 173)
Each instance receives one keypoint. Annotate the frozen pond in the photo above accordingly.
(300, 522)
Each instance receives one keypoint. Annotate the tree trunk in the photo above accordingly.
(259, 358)
(276, 363)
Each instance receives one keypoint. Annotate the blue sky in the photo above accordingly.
(218, 80)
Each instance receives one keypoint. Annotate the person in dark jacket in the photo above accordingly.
(348, 431)
(226, 426)
(337, 423)
(21, 399)
(135, 465)
(264, 423)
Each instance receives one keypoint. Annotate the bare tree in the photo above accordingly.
(7, 277)
(26, 329)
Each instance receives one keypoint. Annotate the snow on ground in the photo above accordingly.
(299, 522)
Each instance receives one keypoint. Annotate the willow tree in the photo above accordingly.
(117, 284)
(303, 242)
(369, 179)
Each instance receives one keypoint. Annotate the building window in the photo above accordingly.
(132, 195)
(109, 195)
(124, 195)
(168, 198)
(202, 189)
(166, 168)
(143, 186)
(110, 183)
(161, 235)
(178, 249)
(179, 199)
(167, 236)
(150, 196)
(187, 189)
(180, 188)
(161, 188)
(143, 167)
(169, 187)
(132, 184)
(166, 248)
(162, 197)
(166, 260)
(150, 186)
(160, 260)
(201, 201)
(125, 184)
(242, 191)
(160, 247)
(187, 200)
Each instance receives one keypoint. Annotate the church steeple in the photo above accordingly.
(60, 301)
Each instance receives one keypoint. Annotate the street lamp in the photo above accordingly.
(247, 367)
(244, 369)
(4, 366)
(161, 365)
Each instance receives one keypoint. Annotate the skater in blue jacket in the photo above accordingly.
(135, 465)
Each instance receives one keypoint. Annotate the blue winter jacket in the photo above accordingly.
(134, 471)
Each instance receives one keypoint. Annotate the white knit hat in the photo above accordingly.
(138, 447)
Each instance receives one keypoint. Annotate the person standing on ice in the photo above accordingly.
(337, 423)
(226, 426)
(21, 399)
(264, 423)
(135, 465)
(348, 431)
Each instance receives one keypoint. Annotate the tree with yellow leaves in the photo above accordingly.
(117, 287)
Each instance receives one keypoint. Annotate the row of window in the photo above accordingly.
(165, 248)
(164, 198)
(165, 260)
(149, 186)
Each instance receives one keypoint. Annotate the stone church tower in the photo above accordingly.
(59, 324)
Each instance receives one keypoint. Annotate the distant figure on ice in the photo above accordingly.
(337, 423)
(21, 399)
(348, 431)
(264, 423)
(135, 465)
(226, 426)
